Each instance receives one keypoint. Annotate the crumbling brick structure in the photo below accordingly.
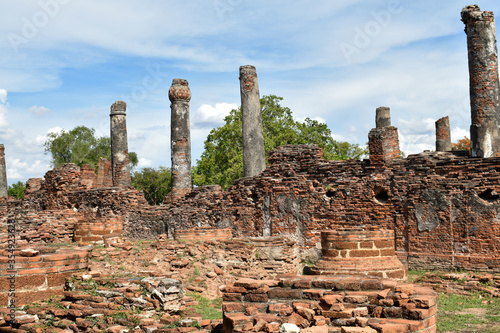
(441, 207)
(383, 141)
(180, 139)
(338, 304)
(40, 273)
(484, 85)
(254, 154)
(3, 172)
(119, 145)
(357, 251)
(443, 136)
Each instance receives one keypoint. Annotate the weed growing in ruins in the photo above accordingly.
(208, 308)
(55, 304)
(93, 320)
(173, 325)
(415, 275)
(196, 271)
(119, 315)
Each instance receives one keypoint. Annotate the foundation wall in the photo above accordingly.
(40, 276)
(334, 302)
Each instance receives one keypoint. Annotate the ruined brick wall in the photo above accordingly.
(42, 275)
(443, 208)
(104, 174)
(331, 302)
(88, 176)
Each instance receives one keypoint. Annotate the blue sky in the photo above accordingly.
(64, 62)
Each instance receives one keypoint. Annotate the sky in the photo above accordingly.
(65, 62)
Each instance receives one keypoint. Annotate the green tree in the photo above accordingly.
(155, 183)
(80, 146)
(222, 159)
(16, 190)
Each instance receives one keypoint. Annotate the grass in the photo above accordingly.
(413, 275)
(207, 308)
(474, 313)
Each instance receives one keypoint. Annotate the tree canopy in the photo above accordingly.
(154, 183)
(222, 159)
(462, 144)
(80, 146)
(16, 190)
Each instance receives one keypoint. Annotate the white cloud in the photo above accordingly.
(18, 169)
(39, 110)
(3, 96)
(55, 130)
(144, 162)
(458, 133)
(4, 123)
(208, 115)
(317, 118)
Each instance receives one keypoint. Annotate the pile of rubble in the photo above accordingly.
(94, 304)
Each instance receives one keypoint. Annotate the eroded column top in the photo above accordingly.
(247, 75)
(118, 107)
(473, 13)
(179, 90)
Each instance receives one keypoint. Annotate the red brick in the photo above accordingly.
(232, 307)
(231, 297)
(258, 298)
(285, 293)
(313, 293)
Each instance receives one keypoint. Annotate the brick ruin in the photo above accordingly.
(339, 304)
(439, 209)
(442, 206)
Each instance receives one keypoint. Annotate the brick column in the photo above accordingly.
(3, 172)
(180, 95)
(119, 146)
(254, 155)
(383, 141)
(443, 137)
(483, 76)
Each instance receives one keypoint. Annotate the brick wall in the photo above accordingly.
(441, 207)
(40, 276)
(334, 302)
(348, 251)
(202, 234)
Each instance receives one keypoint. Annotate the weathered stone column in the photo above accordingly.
(3, 173)
(443, 137)
(180, 135)
(383, 141)
(483, 77)
(254, 155)
(119, 145)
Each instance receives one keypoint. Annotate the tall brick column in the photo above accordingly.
(3, 172)
(443, 137)
(119, 145)
(383, 141)
(180, 136)
(483, 77)
(254, 155)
